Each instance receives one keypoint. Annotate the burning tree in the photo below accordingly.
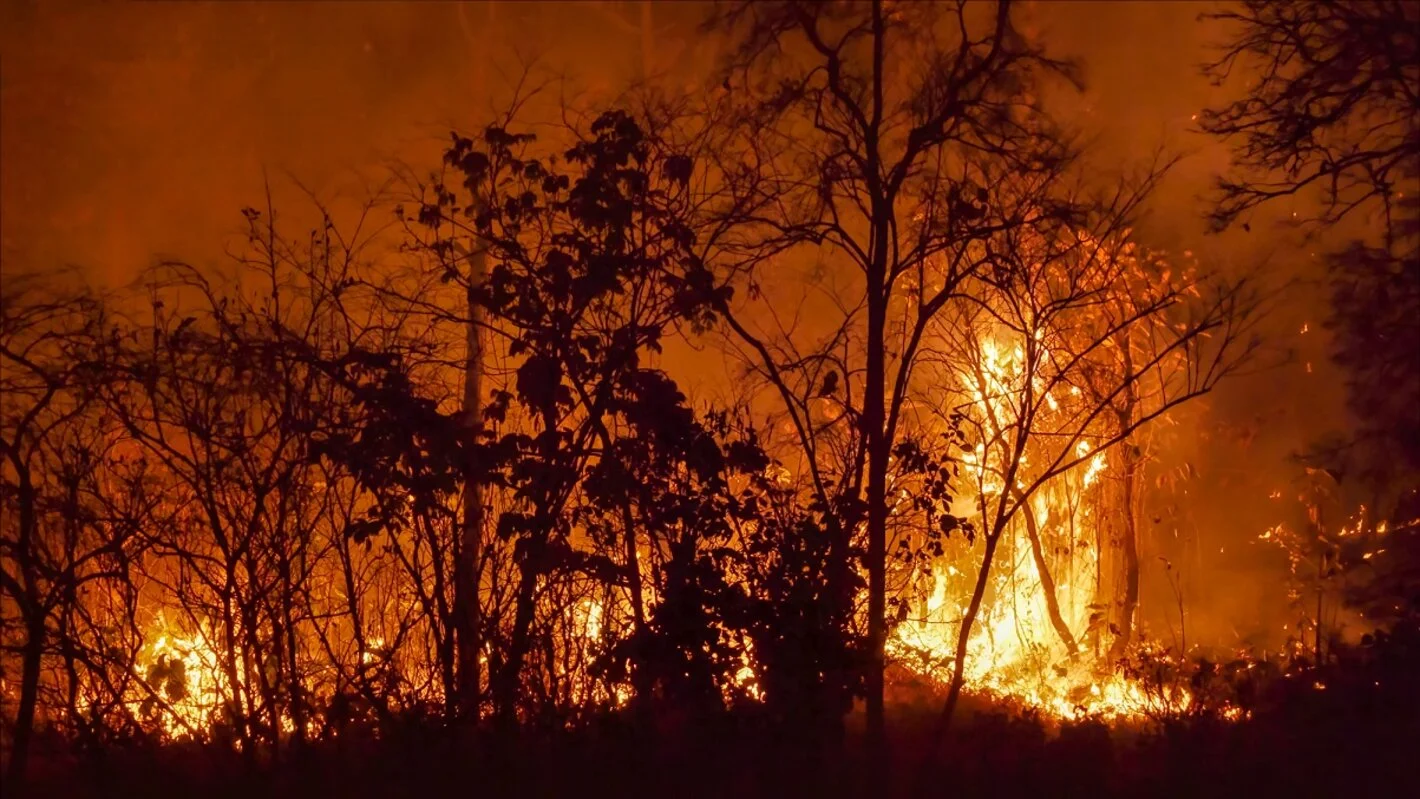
(1061, 357)
(241, 393)
(878, 136)
(216, 400)
(898, 154)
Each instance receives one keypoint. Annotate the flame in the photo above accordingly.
(1014, 649)
(182, 680)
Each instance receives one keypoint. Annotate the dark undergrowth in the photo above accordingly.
(1356, 736)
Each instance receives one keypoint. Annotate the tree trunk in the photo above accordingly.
(29, 696)
(33, 615)
(873, 422)
(1129, 455)
(294, 687)
(963, 638)
(1130, 602)
(640, 673)
(506, 696)
(1047, 582)
(466, 570)
(874, 417)
(467, 615)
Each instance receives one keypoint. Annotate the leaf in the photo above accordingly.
(678, 169)
(361, 530)
(538, 380)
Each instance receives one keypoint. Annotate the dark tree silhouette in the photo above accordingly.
(879, 132)
(1331, 108)
(71, 510)
(1331, 117)
(591, 266)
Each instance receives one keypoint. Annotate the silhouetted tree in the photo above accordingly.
(592, 264)
(1332, 119)
(902, 150)
(231, 388)
(880, 131)
(73, 504)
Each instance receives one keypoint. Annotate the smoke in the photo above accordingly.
(132, 129)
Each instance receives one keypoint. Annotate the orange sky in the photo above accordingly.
(135, 128)
(130, 128)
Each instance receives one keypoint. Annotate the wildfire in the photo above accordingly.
(183, 687)
(1052, 659)
(1042, 636)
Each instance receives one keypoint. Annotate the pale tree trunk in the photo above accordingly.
(1129, 603)
(467, 574)
(1047, 581)
(466, 580)
(1129, 458)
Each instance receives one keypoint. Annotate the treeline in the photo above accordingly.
(330, 490)
(343, 486)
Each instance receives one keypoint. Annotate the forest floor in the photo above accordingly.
(1319, 746)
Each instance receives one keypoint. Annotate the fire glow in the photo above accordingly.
(1015, 650)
